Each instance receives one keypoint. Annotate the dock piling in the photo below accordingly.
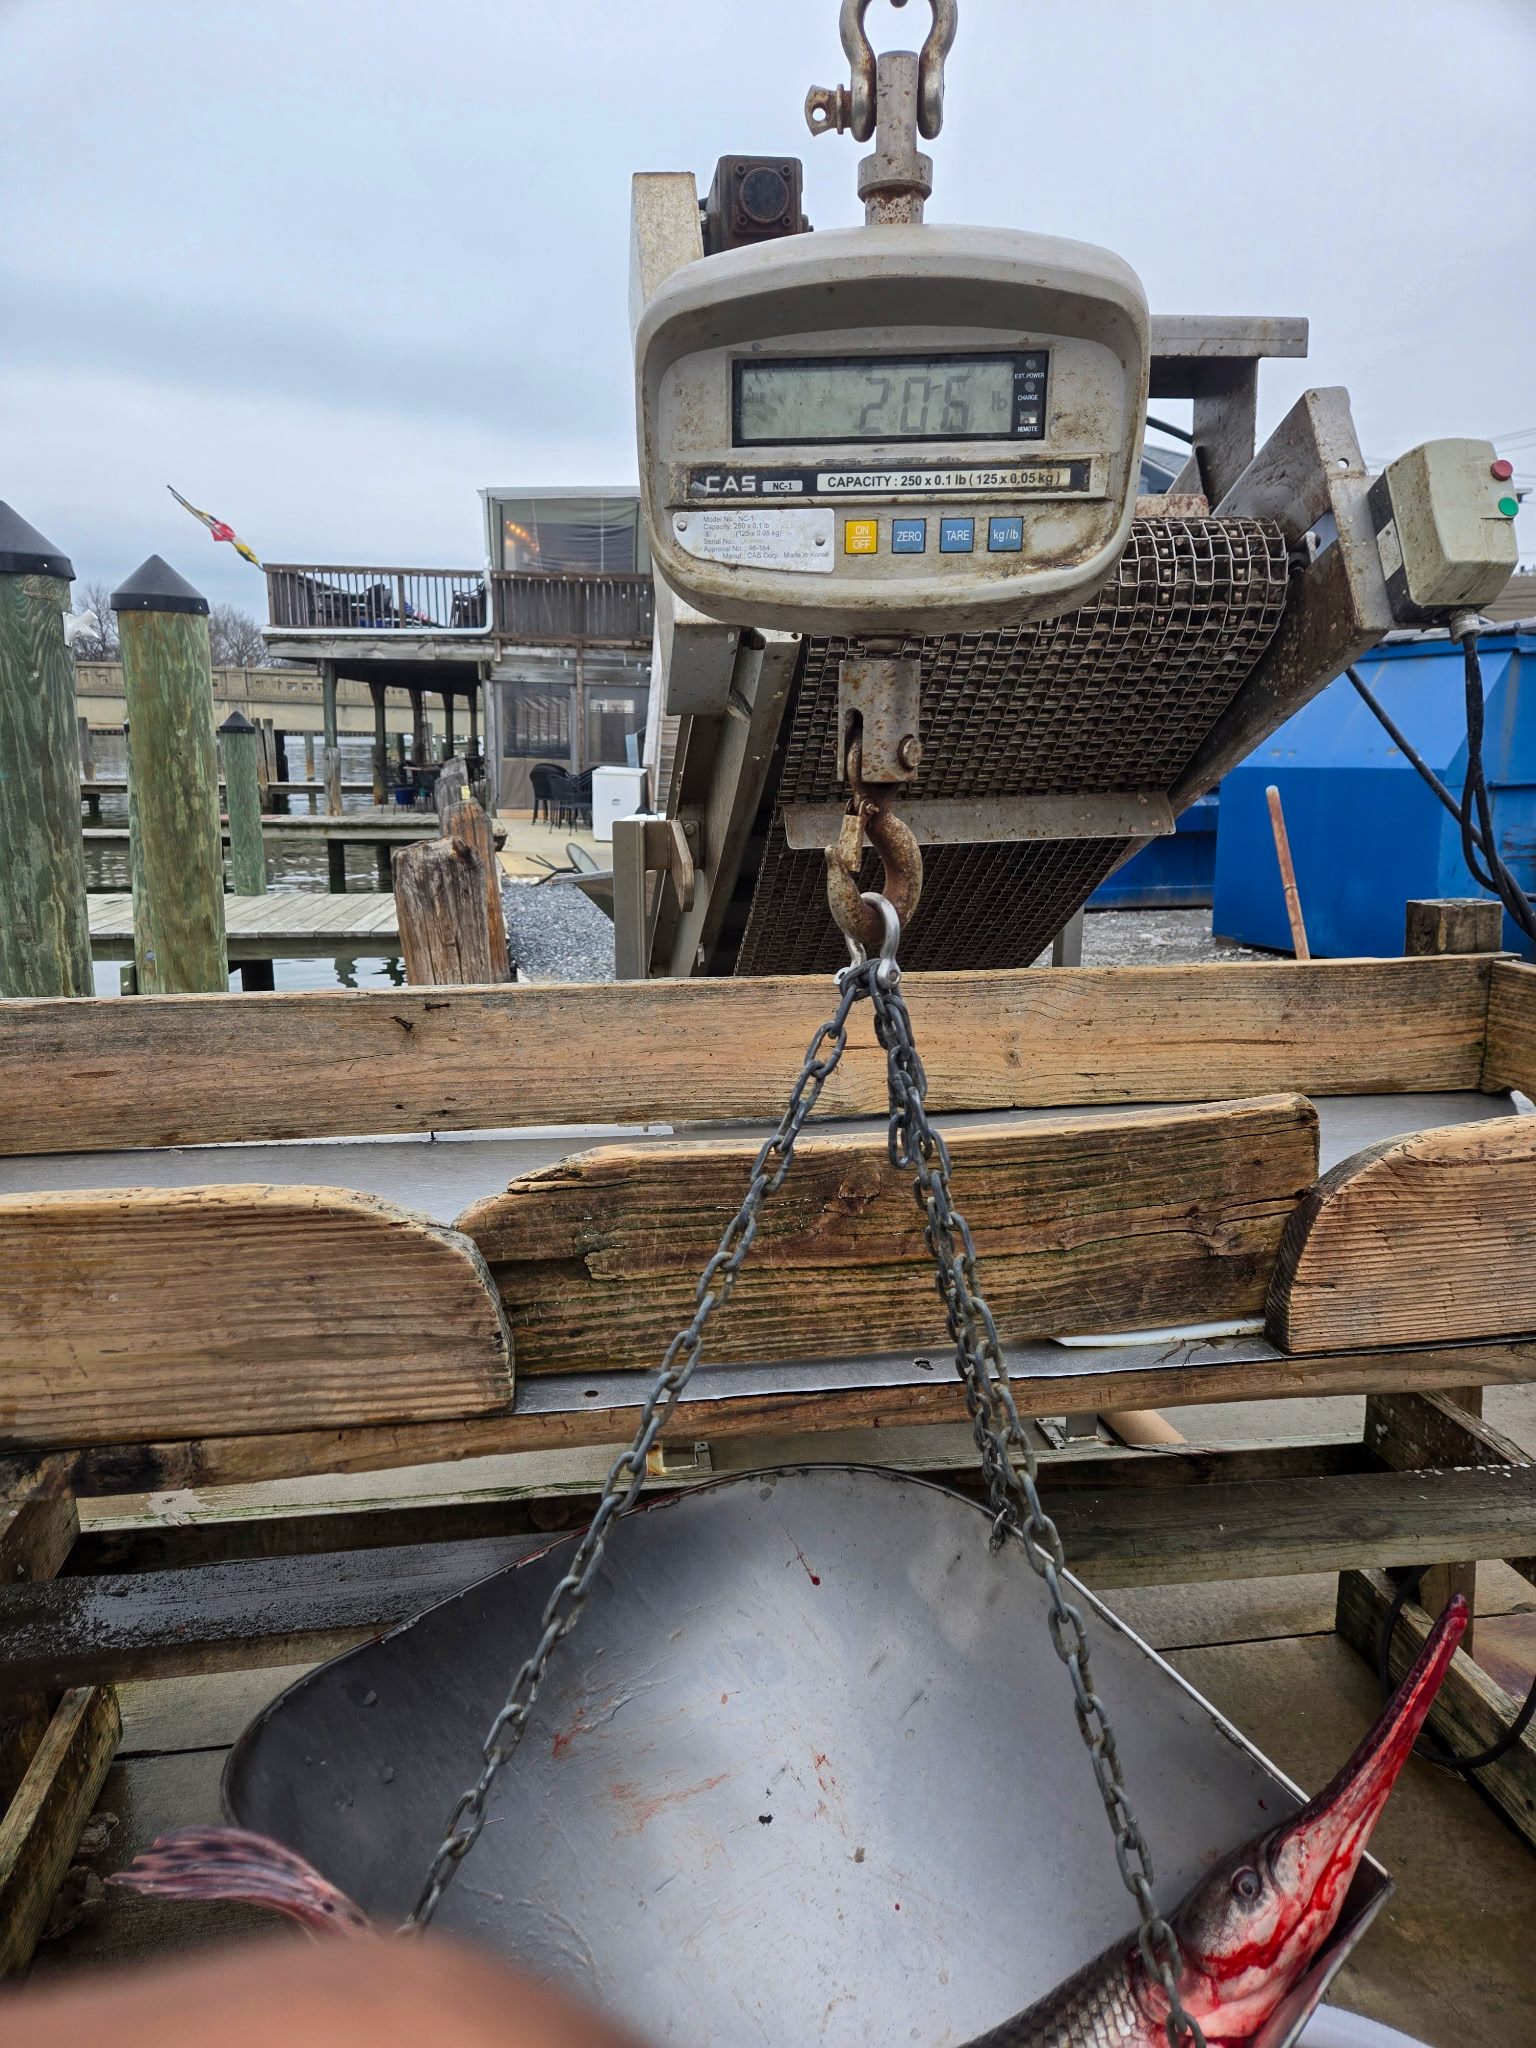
(239, 743)
(45, 933)
(87, 749)
(176, 846)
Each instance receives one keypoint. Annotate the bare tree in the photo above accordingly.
(235, 638)
(101, 645)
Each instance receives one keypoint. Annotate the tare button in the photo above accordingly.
(1005, 536)
(957, 536)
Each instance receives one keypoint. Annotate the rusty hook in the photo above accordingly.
(900, 855)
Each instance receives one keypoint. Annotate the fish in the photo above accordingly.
(1252, 1929)
(1250, 1932)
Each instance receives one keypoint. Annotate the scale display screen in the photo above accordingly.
(889, 398)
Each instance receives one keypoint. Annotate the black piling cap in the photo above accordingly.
(155, 587)
(237, 722)
(24, 552)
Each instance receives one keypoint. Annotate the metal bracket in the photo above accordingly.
(877, 706)
(671, 848)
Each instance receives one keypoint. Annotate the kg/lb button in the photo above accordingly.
(861, 536)
(909, 536)
(957, 536)
(1005, 536)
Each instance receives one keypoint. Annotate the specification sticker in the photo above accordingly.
(1071, 478)
(759, 536)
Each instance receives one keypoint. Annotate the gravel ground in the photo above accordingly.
(1158, 938)
(555, 934)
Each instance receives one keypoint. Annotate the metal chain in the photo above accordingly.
(563, 1609)
(1008, 1459)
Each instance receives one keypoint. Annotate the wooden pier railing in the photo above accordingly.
(601, 609)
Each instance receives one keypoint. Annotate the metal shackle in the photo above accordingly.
(851, 107)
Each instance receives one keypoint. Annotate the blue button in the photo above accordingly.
(1005, 536)
(909, 536)
(956, 536)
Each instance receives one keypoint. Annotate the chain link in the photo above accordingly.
(1009, 1465)
(563, 1609)
(1008, 1461)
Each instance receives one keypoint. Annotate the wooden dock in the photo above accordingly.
(285, 925)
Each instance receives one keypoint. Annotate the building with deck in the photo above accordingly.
(546, 649)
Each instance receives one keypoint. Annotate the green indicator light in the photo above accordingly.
(1509, 507)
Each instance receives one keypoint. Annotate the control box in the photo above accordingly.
(903, 428)
(1444, 517)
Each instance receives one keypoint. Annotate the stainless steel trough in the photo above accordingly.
(806, 1772)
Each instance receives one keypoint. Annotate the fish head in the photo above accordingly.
(1254, 1924)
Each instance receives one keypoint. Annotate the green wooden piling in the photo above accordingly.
(380, 744)
(45, 933)
(178, 875)
(238, 743)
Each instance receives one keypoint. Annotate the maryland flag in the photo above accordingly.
(216, 527)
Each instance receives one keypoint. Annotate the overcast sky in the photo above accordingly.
(329, 266)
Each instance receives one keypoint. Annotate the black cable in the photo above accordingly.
(1178, 433)
(1474, 814)
(1447, 1759)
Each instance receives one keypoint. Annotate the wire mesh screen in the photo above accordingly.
(1115, 696)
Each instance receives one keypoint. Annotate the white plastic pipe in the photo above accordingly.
(1329, 2027)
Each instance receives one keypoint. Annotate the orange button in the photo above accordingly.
(861, 536)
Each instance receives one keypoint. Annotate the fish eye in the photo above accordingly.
(1246, 1883)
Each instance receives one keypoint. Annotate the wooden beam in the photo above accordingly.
(1085, 1223)
(231, 1616)
(1470, 1711)
(440, 901)
(98, 1075)
(128, 1312)
(35, 1538)
(42, 1824)
(170, 1464)
(1510, 1061)
(1415, 1240)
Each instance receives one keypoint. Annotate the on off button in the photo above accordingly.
(861, 536)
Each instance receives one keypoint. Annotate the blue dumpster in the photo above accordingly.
(1177, 873)
(1366, 831)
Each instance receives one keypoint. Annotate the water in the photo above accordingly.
(300, 866)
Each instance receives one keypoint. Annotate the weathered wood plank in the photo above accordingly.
(197, 1070)
(1413, 1432)
(1510, 1061)
(1470, 1711)
(127, 1313)
(229, 1616)
(1417, 1240)
(171, 1463)
(1149, 1218)
(35, 1538)
(42, 1824)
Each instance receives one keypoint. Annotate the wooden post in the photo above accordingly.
(440, 899)
(1287, 875)
(328, 700)
(474, 716)
(309, 771)
(280, 801)
(461, 817)
(380, 744)
(400, 756)
(45, 933)
(178, 874)
(420, 749)
(263, 764)
(1453, 924)
(336, 865)
(331, 760)
(447, 696)
(54, 1750)
(87, 749)
(239, 744)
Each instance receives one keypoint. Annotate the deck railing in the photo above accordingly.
(616, 609)
(304, 597)
(314, 598)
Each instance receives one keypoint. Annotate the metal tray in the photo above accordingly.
(807, 1771)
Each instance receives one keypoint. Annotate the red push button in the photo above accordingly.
(1502, 470)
